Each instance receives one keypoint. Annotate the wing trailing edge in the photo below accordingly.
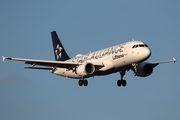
(41, 68)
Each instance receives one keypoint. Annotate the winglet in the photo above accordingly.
(3, 58)
(174, 60)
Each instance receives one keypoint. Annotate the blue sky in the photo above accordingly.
(85, 26)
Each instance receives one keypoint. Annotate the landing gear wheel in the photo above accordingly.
(85, 82)
(124, 83)
(81, 82)
(119, 83)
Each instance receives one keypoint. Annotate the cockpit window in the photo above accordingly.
(140, 45)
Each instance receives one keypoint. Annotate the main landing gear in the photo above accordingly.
(119, 82)
(122, 82)
(83, 82)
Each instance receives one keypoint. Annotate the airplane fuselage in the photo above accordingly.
(114, 59)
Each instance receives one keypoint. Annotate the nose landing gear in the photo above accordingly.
(122, 82)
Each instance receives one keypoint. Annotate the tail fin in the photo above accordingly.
(59, 51)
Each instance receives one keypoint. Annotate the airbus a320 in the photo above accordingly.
(120, 58)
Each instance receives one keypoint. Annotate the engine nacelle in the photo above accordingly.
(85, 69)
(144, 69)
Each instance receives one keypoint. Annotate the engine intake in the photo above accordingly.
(144, 69)
(85, 69)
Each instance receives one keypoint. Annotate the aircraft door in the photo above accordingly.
(133, 51)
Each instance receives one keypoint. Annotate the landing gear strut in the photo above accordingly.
(135, 69)
(83, 82)
(122, 82)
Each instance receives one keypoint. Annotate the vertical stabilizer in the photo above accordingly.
(59, 51)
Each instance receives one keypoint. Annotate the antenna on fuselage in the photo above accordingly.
(132, 39)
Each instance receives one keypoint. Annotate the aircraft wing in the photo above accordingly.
(154, 64)
(51, 64)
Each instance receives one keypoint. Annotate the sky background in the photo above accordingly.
(85, 26)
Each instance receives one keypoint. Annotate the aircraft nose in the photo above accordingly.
(147, 53)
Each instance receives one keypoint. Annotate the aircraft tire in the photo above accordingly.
(119, 83)
(85, 82)
(124, 83)
(81, 82)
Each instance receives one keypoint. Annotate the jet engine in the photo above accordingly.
(144, 69)
(85, 69)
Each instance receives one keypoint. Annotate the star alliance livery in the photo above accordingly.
(120, 58)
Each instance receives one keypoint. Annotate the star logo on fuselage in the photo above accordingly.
(58, 51)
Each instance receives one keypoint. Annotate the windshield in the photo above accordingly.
(140, 45)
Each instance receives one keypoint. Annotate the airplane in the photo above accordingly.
(120, 58)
